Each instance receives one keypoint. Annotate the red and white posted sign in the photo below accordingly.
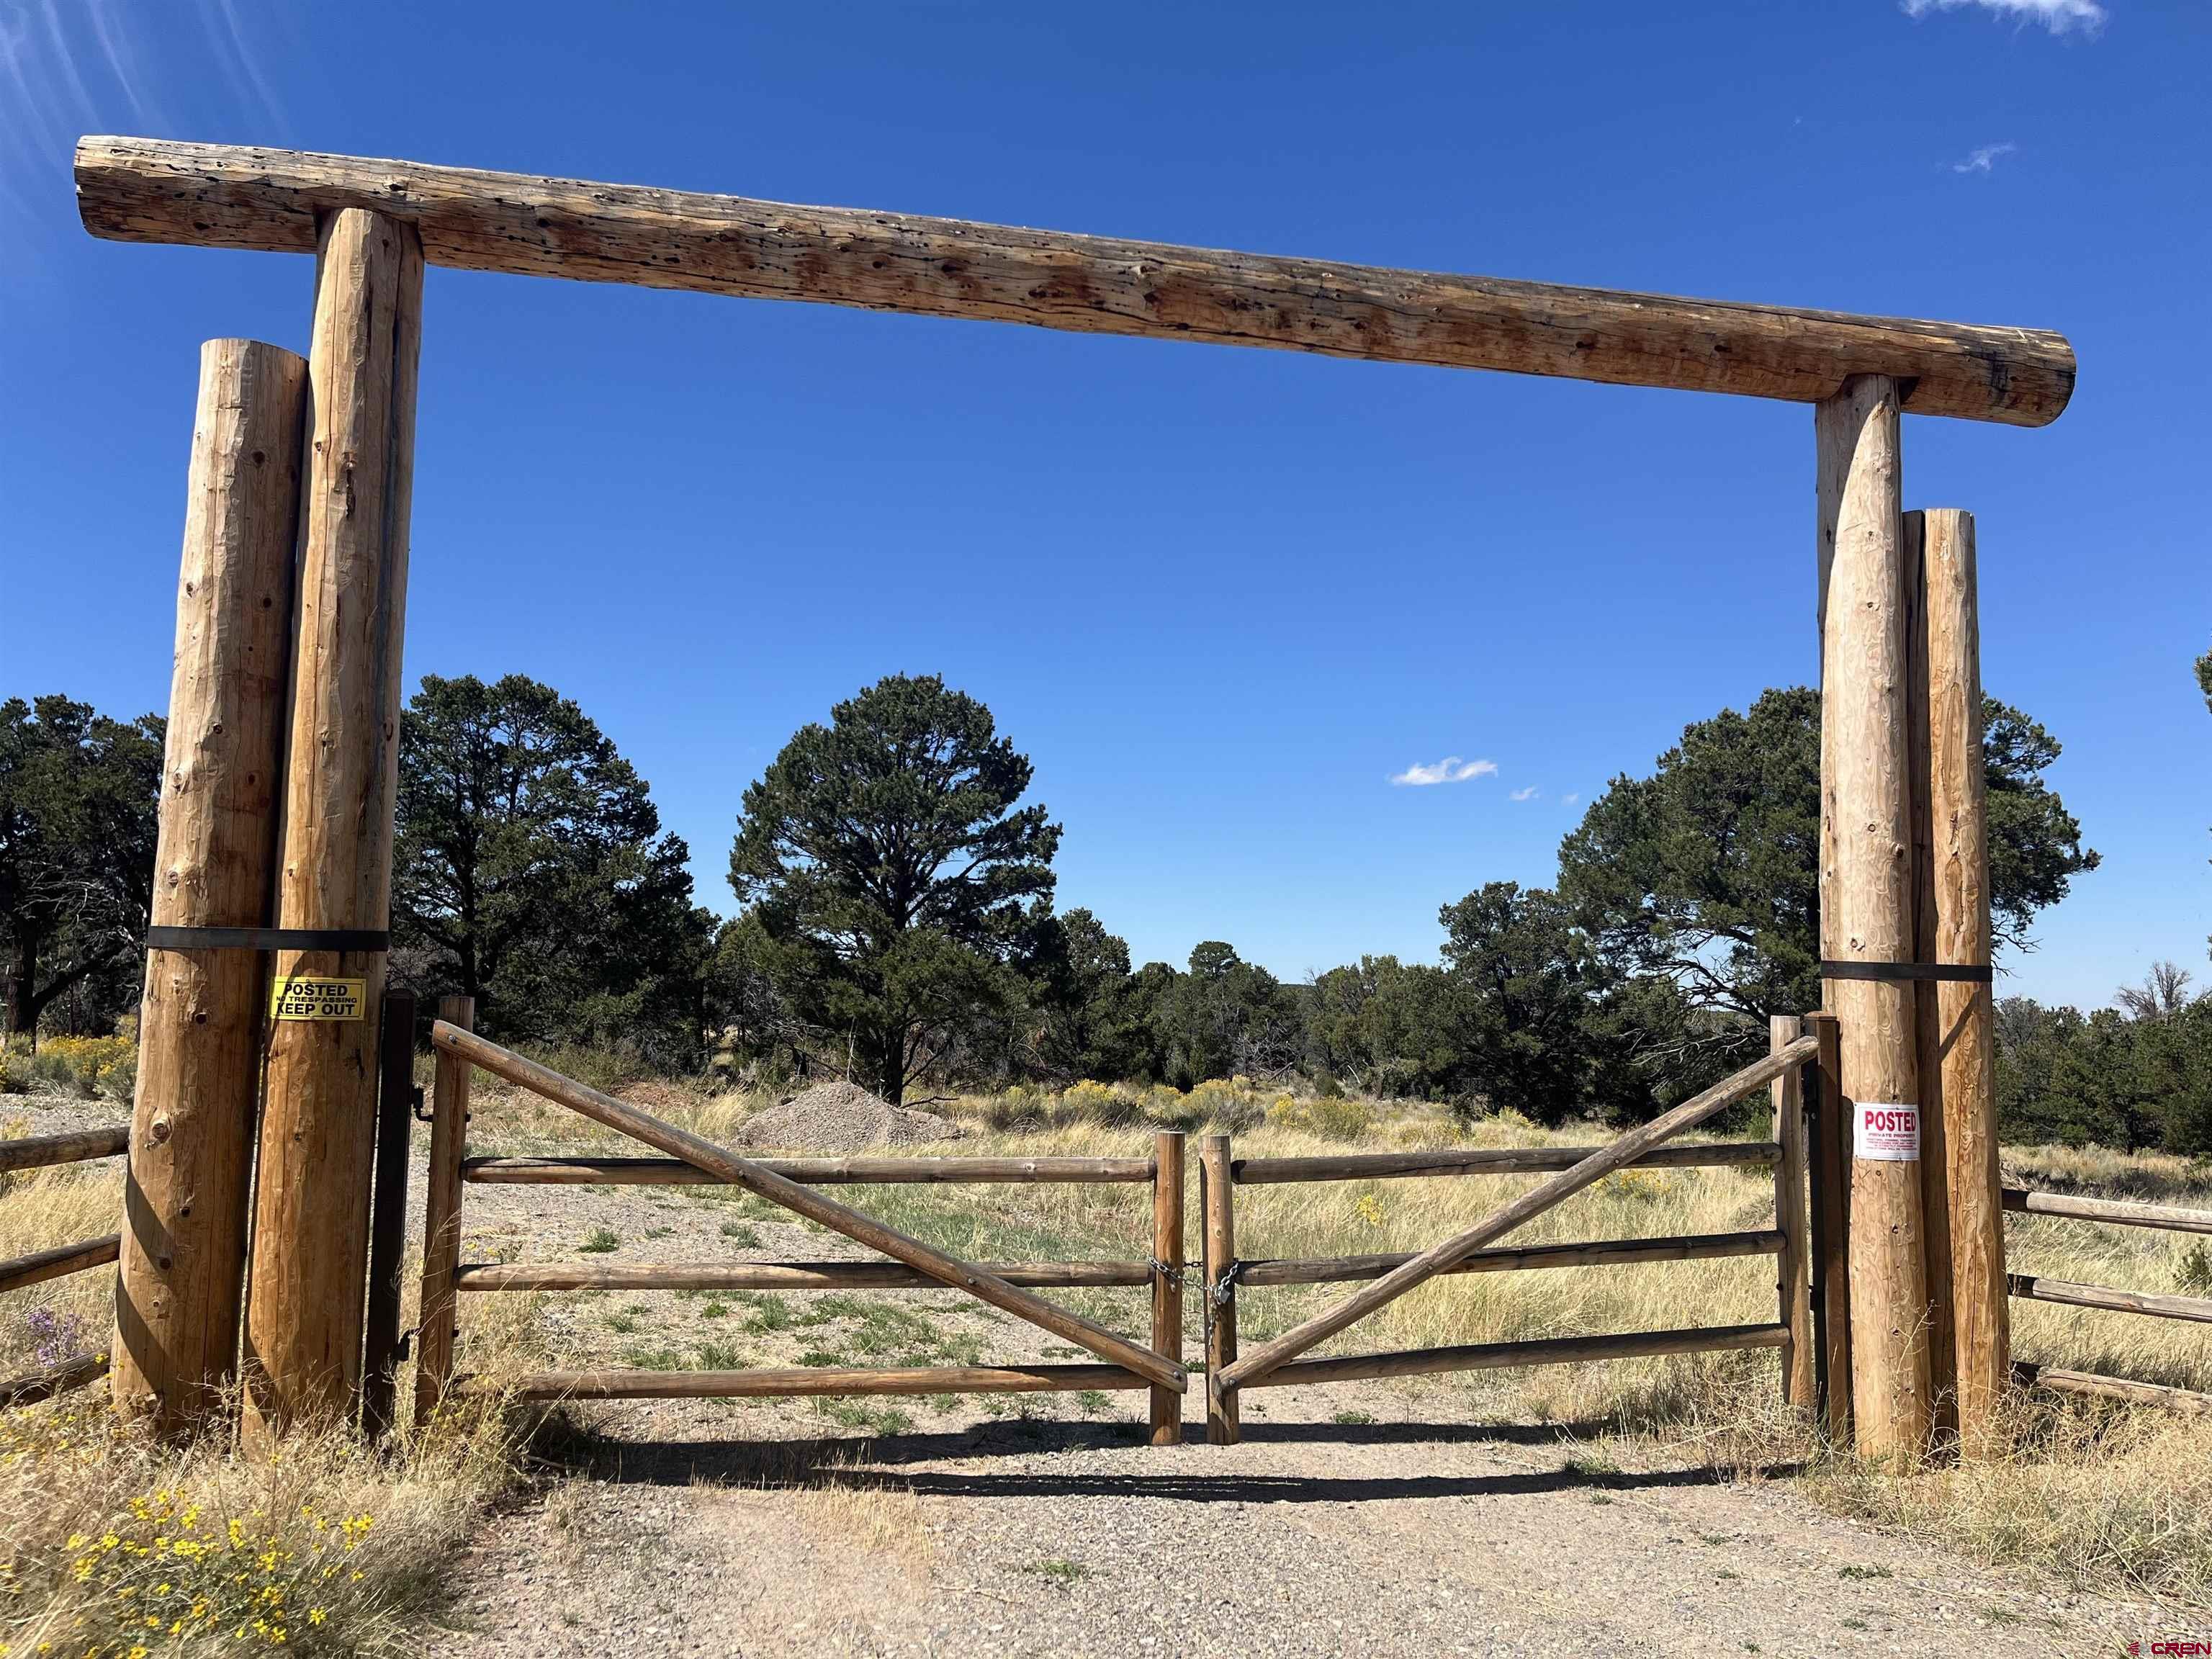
(1886, 1130)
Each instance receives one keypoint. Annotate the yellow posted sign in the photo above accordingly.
(317, 998)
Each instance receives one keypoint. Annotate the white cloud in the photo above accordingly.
(1569, 799)
(2059, 17)
(1450, 770)
(1529, 793)
(1984, 159)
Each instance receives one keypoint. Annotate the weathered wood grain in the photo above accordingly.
(811, 1171)
(175, 1341)
(76, 1146)
(1958, 1019)
(1867, 895)
(2115, 1212)
(148, 190)
(304, 1298)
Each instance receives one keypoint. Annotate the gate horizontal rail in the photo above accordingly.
(1610, 1253)
(1542, 1351)
(808, 1171)
(1492, 1160)
(787, 1276)
(806, 1380)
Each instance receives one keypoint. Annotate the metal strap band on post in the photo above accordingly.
(372, 939)
(1960, 972)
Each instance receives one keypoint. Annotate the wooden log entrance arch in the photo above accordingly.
(277, 805)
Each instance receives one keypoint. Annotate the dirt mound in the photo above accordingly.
(843, 1117)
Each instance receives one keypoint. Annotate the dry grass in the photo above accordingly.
(2100, 1495)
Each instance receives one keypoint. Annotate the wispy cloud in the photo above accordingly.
(1529, 793)
(1569, 799)
(2059, 17)
(1450, 770)
(1984, 159)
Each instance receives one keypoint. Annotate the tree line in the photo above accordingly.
(897, 920)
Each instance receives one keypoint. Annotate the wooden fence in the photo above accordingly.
(789, 1181)
(1790, 1241)
(40, 1152)
(2031, 1287)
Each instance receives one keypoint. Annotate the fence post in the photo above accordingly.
(387, 1215)
(1828, 1135)
(1793, 1278)
(1167, 1277)
(1217, 1192)
(199, 1074)
(442, 1225)
(304, 1307)
(1962, 1181)
(1867, 894)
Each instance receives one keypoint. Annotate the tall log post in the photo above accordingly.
(304, 1306)
(1224, 1415)
(1934, 1204)
(1964, 1185)
(1167, 1277)
(1866, 904)
(192, 1139)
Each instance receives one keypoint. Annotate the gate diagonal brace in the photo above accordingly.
(704, 1155)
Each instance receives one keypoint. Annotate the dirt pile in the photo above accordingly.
(843, 1117)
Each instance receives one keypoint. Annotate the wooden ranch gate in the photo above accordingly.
(285, 710)
(790, 1184)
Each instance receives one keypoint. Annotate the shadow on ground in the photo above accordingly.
(892, 1460)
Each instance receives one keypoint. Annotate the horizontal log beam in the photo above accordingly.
(785, 1276)
(1615, 1253)
(42, 1265)
(1488, 1160)
(148, 190)
(34, 1386)
(801, 1380)
(808, 1171)
(2031, 1288)
(40, 1151)
(1544, 1350)
(2115, 1387)
(2118, 1212)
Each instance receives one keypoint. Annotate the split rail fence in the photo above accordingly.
(790, 1183)
(2033, 1287)
(41, 1152)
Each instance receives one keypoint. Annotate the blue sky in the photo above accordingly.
(1221, 598)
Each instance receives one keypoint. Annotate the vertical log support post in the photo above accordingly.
(1866, 904)
(1218, 1264)
(441, 1223)
(387, 1219)
(1935, 1206)
(192, 1138)
(1167, 1277)
(1793, 1267)
(1958, 1065)
(304, 1305)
